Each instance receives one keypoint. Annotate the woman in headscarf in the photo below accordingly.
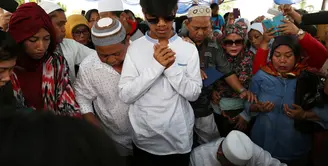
(92, 17)
(315, 53)
(245, 24)
(229, 113)
(77, 28)
(255, 36)
(40, 79)
(275, 86)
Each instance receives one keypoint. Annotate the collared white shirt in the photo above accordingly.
(97, 82)
(74, 53)
(162, 118)
(206, 155)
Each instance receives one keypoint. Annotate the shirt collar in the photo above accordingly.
(172, 39)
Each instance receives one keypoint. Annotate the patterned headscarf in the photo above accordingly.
(234, 28)
(28, 19)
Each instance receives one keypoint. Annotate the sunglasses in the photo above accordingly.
(231, 42)
(79, 32)
(156, 19)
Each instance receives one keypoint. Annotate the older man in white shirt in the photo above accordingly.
(73, 51)
(97, 82)
(234, 150)
(160, 75)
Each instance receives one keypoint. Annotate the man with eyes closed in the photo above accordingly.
(211, 55)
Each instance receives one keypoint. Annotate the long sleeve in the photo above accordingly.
(222, 64)
(322, 113)
(316, 51)
(65, 96)
(255, 88)
(84, 92)
(260, 60)
(133, 83)
(263, 158)
(188, 84)
(82, 52)
(315, 18)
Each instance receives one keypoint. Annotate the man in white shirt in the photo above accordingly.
(160, 76)
(234, 150)
(73, 51)
(114, 9)
(97, 82)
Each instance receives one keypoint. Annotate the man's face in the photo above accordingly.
(199, 28)
(160, 27)
(6, 70)
(59, 21)
(221, 158)
(112, 55)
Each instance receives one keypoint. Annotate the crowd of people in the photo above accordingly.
(107, 88)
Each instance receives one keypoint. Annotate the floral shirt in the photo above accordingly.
(57, 93)
(242, 66)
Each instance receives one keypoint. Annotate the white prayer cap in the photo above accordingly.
(237, 148)
(258, 27)
(49, 6)
(110, 5)
(198, 11)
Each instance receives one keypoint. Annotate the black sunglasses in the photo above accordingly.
(156, 19)
(231, 42)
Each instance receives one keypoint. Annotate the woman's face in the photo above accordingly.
(81, 34)
(93, 19)
(255, 37)
(283, 59)
(37, 45)
(243, 25)
(233, 44)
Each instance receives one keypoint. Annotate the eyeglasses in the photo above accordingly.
(79, 32)
(231, 42)
(156, 19)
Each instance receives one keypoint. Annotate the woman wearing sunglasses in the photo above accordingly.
(77, 28)
(231, 115)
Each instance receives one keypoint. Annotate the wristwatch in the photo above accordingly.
(300, 32)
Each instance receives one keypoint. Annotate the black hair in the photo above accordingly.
(117, 13)
(127, 11)
(89, 13)
(159, 8)
(179, 22)
(8, 47)
(226, 17)
(213, 5)
(42, 138)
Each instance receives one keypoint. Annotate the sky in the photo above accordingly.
(250, 9)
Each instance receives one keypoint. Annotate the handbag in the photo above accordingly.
(309, 94)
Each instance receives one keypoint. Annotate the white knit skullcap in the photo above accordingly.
(198, 11)
(237, 148)
(49, 6)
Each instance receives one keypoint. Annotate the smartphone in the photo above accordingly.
(270, 24)
(236, 13)
(277, 20)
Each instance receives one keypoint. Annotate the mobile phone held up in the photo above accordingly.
(274, 23)
(236, 13)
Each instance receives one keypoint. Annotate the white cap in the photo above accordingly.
(258, 27)
(237, 148)
(199, 11)
(110, 5)
(49, 6)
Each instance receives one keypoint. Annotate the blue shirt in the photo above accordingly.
(217, 22)
(274, 131)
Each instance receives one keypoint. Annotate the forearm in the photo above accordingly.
(297, 17)
(234, 82)
(310, 116)
(91, 118)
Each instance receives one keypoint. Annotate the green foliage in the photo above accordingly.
(20, 2)
(63, 6)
